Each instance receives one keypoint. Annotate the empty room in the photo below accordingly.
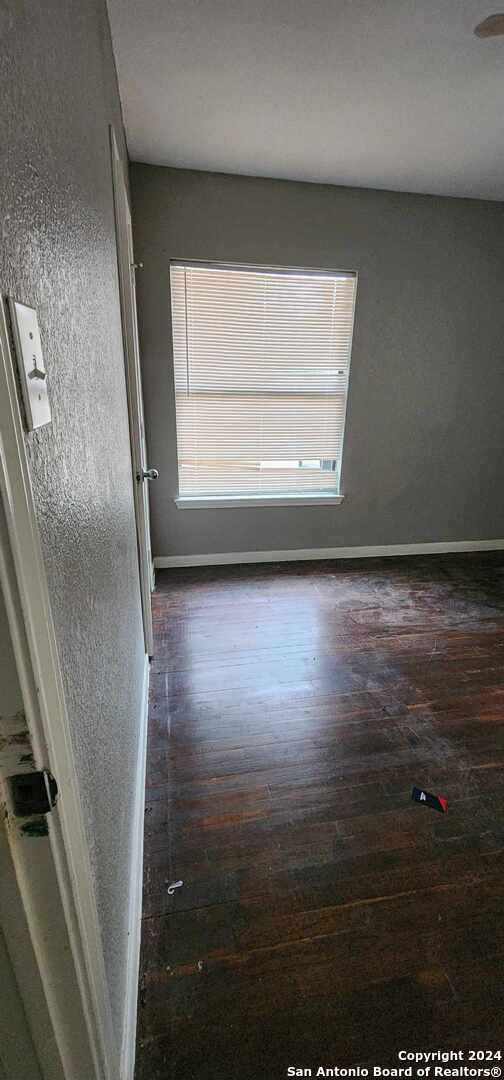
(251, 540)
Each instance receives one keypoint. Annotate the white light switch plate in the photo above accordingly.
(32, 372)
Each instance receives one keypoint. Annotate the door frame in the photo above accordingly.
(73, 979)
(126, 272)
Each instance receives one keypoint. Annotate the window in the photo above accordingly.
(261, 363)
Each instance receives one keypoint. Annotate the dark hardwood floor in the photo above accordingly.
(324, 918)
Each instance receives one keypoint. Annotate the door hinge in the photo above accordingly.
(32, 793)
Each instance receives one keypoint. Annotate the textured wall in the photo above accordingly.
(424, 425)
(58, 253)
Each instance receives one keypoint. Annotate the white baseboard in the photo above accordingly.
(303, 554)
(135, 895)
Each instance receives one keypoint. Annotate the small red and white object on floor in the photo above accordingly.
(437, 802)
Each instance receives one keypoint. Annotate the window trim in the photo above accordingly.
(291, 271)
(232, 502)
(202, 502)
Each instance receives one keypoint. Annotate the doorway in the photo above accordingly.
(142, 475)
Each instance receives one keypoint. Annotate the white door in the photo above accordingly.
(142, 475)
(18, 1055)
(42, 1013)
(48, 915)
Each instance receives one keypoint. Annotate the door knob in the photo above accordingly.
(147, 474)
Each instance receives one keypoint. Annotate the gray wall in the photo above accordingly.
(58, 253)
(423, 454)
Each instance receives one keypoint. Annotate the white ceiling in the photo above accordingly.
(393, 94)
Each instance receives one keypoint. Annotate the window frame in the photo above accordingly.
(200, 502)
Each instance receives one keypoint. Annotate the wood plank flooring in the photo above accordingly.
(324, 917)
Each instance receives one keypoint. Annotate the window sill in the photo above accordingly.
(228, 502)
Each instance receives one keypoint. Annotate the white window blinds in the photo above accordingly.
(261, 362)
